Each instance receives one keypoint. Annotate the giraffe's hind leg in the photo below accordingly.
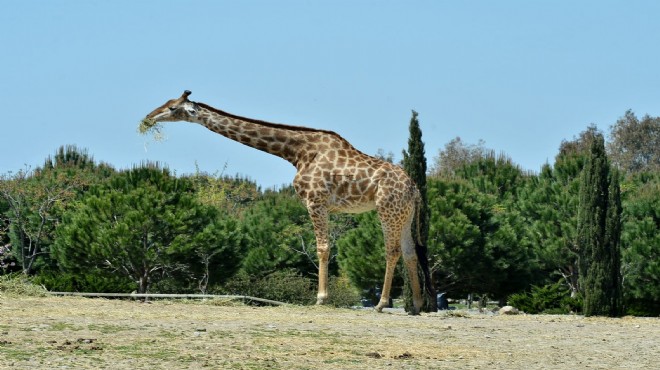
(410, 260)
(398, 241)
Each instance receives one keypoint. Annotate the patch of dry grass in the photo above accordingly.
(19, 285)
(83, 333)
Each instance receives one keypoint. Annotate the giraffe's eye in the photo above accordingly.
(172, 109)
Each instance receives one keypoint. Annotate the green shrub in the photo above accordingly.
(87, 283)
(284, 286)
(240, 284)
(288, 286)
(641, 307)
(291, 287)
(549, 299)
(174, 285)
(342, 293)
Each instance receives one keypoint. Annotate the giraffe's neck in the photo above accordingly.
(281, 140)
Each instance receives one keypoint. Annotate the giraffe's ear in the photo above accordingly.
(186, 94)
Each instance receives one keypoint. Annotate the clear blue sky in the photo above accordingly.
(521, 75)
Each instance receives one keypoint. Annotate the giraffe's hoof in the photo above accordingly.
(321, 299)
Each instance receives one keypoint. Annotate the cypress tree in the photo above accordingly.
(414, 163)
(613, 244)
(599, 216)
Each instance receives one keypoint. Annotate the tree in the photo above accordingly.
(227, 194)
(7, 260)
(477, 244)
(457, 236)
(479, 231)
(598, 234)
(640, 244)
(361, 252)
(635, 144)
(550, 203)
(455, 155)
(139, 225)
(36, 199)
(613, 226)
(414, 163)
(281, 235)
(212, 256)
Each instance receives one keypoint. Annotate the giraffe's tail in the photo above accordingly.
(420, 248)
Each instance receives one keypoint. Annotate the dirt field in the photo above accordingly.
(83, 333)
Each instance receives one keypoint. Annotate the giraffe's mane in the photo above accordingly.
(270, 124)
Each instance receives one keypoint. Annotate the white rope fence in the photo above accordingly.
(243, 298)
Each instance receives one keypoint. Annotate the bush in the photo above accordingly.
(641, 307)
(174, 285)
(549, 299)
(288, 286)
(291, 287)
(240, 284)
(87, 283)
(342, 293)
(284, 286)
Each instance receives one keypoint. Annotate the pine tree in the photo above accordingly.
(414, 162)
(599, 225)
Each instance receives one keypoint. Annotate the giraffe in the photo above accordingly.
(332, 176)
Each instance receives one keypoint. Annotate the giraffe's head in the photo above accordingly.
(179, 109)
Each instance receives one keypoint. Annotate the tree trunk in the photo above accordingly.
(143, 283)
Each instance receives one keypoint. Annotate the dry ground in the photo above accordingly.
(84, 333)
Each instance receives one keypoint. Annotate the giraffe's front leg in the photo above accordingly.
(319, 217)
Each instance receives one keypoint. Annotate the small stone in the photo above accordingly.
(509, 310)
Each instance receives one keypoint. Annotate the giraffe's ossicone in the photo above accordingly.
(332, 176)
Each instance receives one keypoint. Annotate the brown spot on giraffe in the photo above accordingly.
(332, 176)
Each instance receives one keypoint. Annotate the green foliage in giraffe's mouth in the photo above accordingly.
(149, 125)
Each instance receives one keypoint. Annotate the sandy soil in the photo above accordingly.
(83, 333)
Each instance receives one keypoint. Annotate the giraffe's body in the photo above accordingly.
(332, 176)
